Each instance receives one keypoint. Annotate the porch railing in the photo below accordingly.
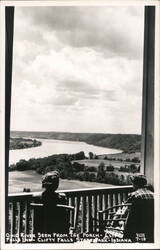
(87, 203)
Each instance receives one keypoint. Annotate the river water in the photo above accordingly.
(50, 147)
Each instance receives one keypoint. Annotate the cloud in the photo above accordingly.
(112, 26)
(62, 101)
(72, 72)
(85, 90)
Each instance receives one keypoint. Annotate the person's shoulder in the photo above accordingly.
(144, 193)
(43, 195)
(149, 193)
(136, 193)
(131, 197)
(132, 194)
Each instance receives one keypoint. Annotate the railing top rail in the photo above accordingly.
(95, 189)
(73, 192)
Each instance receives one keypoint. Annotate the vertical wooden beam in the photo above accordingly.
(147, 150)
(9, 26)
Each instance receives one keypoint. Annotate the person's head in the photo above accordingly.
(50, 180)
(139, 181)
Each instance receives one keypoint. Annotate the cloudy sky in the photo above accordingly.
(77, 69)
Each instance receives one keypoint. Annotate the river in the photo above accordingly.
(50, 147)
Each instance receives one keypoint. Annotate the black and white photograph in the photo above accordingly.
(80, 112)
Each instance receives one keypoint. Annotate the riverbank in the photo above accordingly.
(50, 147)
(125, 142)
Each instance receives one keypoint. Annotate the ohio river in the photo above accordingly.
(50, 147)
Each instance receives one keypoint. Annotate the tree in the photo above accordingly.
(91, 155)
(22, 165)
(136, 160)
(92, 169)
(101, 172)
(79, 176)
(40, 170)
(110, 168)
(86, 176)
(122, 179)
(138, 168)
(106, 157)
(128, 159)
(129, 180)
(77, 167)
(133, 168)
(12, 167)
(92, 176)
(79, 156)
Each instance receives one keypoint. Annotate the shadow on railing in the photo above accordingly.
(87, 203)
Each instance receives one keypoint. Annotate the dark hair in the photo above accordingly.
(51, 180)
(139, 180)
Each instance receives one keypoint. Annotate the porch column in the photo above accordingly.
(147, 149)
(9, 26)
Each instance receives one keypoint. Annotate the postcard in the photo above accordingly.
(80, 124)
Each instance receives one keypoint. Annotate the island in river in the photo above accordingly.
(21, 143)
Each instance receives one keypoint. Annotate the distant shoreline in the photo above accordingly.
(128, 143)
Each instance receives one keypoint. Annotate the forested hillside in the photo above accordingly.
(126, 142)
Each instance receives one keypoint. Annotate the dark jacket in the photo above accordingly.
(54, 218)
(140, 222)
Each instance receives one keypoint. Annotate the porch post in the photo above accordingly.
(9, 26)
(147, 149)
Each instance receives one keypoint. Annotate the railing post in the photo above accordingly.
(14, 218)
(100, 222)
(83, 214)
(77, 211)
(90, 219)
(95, 212)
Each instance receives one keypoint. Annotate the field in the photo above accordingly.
(116, 163)
(95, 163)
(117, 169)
(30, 179)
(123, 156)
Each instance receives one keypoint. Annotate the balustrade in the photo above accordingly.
(87, 203)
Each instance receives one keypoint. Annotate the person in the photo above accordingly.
(53, 217)
(50, 182)
(140, 223)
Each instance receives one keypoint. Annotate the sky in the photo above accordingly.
(77, 69)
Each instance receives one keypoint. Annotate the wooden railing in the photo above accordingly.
(87, 203)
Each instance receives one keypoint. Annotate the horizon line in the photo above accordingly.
(53, 131)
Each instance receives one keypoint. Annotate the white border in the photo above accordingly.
(157, 124)
(79, 2)
(83, 245)
(2, 122)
